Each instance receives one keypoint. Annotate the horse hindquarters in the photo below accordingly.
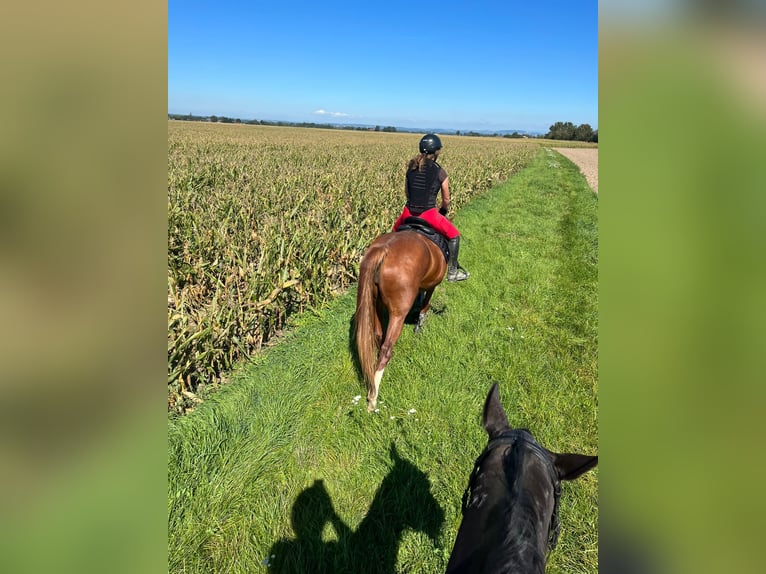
(397, 294)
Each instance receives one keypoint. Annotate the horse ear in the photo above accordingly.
(495, 419)
(571, 466)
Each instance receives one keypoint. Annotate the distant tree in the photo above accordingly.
(568, 131)
(377, 128)
(583, 133)
(213, 118)
(561, 131)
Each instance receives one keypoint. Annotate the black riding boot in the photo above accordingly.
(454, 271)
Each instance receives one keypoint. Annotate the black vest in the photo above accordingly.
(423, 187)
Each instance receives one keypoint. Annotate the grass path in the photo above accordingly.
(284, 462)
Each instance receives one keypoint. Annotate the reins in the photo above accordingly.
(509, 438)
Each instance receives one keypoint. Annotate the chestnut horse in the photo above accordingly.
(396, 268)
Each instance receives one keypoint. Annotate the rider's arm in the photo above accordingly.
(445, 195)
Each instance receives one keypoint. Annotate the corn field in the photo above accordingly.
(265, 222)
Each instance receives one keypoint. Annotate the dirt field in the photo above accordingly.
(587, 160)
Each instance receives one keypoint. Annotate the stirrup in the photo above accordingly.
(457, 274)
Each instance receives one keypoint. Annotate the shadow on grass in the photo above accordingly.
(402, 502)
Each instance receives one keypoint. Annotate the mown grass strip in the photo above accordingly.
(283, 461)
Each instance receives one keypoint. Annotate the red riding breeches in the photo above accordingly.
(436, 219)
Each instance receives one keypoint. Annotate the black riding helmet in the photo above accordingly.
(430, 143)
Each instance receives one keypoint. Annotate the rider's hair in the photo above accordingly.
(418, 162)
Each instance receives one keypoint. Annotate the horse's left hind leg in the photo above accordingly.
(393, 332)
(424, 310)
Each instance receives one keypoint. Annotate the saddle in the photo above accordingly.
(424, 228)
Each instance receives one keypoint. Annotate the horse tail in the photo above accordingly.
(364, 319)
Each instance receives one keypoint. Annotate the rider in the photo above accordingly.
(425, 178)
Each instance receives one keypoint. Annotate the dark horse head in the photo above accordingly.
(510, 507)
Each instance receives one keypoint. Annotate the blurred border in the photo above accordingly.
(83, 156)
(682, 282)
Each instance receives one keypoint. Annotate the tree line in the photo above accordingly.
(568, 131)
(228, 120)
(558, 131)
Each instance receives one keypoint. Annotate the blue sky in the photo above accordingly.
(458, 65)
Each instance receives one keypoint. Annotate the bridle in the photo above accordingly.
(510, 438)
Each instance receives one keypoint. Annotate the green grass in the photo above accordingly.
(282, 461)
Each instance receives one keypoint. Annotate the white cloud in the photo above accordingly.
(321, 112)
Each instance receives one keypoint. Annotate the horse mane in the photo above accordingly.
(522, 539)
(521, 543)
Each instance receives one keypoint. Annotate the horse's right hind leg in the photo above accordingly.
(424, 309)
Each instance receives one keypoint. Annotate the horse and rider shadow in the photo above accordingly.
(402, 502)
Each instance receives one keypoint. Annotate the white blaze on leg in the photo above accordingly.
(372, 395)
(378, 377)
